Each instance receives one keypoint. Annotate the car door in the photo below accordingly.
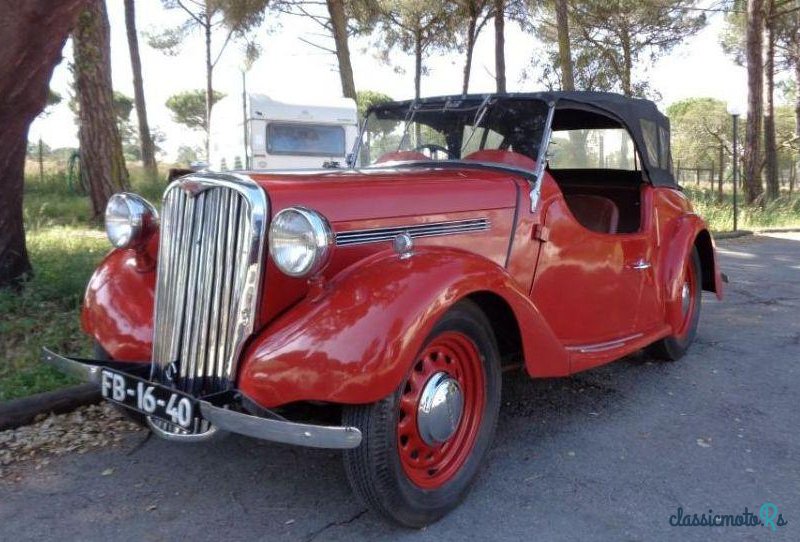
(587, 284)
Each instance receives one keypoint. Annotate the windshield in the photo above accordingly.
(452, 129)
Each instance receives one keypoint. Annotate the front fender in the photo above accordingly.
(118, 307)
(683, 234)
(355, 341)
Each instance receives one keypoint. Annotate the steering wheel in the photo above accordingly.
(433, 147)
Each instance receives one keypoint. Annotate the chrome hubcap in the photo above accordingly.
(686, 298)
(440, 408)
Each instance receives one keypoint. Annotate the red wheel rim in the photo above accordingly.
(688, 306)
(431, 466)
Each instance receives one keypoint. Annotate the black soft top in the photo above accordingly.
(648, 127)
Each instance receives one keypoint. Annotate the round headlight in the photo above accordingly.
(300, 241)
(129, 219)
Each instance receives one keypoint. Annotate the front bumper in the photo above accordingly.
(220, 414)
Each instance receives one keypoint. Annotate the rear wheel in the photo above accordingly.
(423, 445)
(687, 313)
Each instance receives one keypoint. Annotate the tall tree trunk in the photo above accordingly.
(471, 27)
(102, 161)
(417, 65)
(564, 50)
(755, 97)
(720, 172)
(500, 44)
(770, 144)
(209, 82)
(797, 108)
(339, 30)
(145, 139)
(32, 35)
(627, 65)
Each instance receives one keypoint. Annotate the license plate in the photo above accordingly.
(148, 398)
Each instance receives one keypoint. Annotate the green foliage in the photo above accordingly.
(65, 247)
(783, 212)
(699, 127)
(123, 105)
(621, 33)
(236, 19)
(367, 98)
(732, 37)
(46, 312)
(416, 27)
(187, 155)
(189, 108)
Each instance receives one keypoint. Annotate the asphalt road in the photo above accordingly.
(610, 454)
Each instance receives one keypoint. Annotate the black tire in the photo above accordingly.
(375, 469)
(674, 347)
(98, 352)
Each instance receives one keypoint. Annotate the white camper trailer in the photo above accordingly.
(281, 135)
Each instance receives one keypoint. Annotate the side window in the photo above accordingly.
(592, 149)
(650, 133)
(663, 156)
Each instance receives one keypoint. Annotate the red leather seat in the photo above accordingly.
(499, 156)
(594, 213)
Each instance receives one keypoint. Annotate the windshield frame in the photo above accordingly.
(534, 177)
(405, 113)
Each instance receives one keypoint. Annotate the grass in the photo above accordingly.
(46, 312)
(65, 247)
(783, 212)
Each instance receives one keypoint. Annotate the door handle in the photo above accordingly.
(640, 265)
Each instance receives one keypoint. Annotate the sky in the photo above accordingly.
(289, 69)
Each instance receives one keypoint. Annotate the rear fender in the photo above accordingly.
(354, 341)
(684, 234)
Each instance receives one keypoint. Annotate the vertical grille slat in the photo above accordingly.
(211, 251)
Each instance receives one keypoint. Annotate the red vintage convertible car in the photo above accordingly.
(470, 234)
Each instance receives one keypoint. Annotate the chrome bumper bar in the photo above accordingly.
(271, 429)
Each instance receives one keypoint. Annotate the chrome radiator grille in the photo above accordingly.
(208, 279)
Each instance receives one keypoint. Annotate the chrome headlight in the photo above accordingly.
(300, 241)
(129, 220)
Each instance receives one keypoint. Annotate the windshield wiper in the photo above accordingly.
(479, 114)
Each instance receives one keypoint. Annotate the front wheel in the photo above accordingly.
(687, 313)
(423, 446)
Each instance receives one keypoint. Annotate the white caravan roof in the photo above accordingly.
(338, 110)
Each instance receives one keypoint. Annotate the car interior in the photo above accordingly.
(593, 160)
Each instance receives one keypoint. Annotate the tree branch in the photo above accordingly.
(191, 13)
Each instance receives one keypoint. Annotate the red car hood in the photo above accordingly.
(350, 195)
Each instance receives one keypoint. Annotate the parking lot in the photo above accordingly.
(609, 454)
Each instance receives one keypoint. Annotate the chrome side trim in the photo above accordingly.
(286, 432)
(541, 162)
(602, 347)
(432, 229)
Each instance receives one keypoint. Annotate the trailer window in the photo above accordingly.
(305, 139)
